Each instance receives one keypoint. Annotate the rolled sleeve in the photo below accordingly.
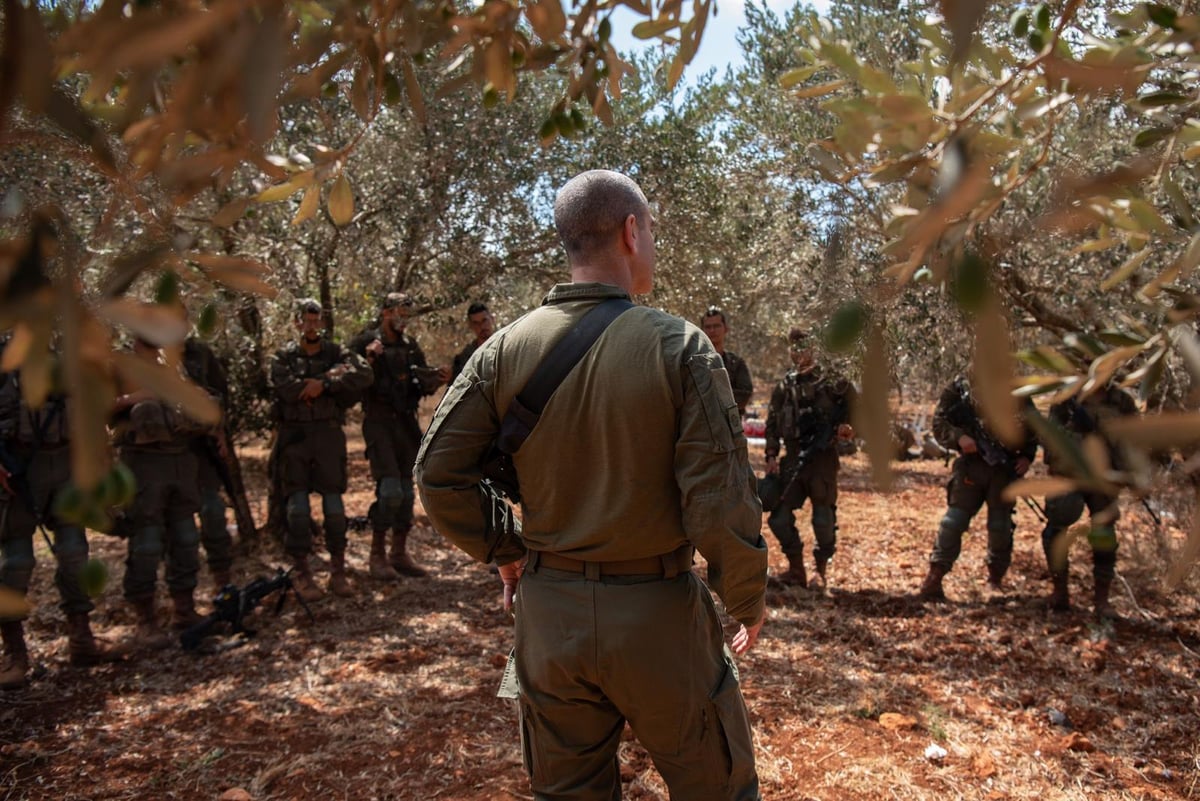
(722, 515)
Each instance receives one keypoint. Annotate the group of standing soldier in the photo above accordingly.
(808, 418)
(177, 466)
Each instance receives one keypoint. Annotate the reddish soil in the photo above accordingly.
(391, 695)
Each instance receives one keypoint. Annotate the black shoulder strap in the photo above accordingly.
(525, 410)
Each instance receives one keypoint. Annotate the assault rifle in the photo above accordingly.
(818, 438)
(991, 449)
(232, 605)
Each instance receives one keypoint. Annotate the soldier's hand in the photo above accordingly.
(1022, 466)
(746, 636)
(967, 444)
(312, 388)
(337, 371)
(772, 465)
(510, 574)
(845, 431)
(444, 375)
(374, 349)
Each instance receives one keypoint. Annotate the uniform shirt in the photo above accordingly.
(291, 366)
(639, 451)
(801, 403)
(1087, 416)
(957, 416)
(395, 388)
(739, 378)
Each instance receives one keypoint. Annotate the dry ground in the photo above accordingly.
(391, 695)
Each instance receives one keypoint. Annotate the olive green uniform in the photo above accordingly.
(975, 479)
(739, 379)
(38, 451)
(639, 455)
(206, 370)
(1083, 418)
(311, 442)
(462, 357)
(390, 428)
(154, 442)
(804, 414)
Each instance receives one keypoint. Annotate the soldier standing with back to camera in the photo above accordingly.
(982, 470)
(716, 327)
(154, 437)
(201, 364)
(809, 414)
(392, 432)
(611, 623)
(1085, 418)
(315, 380)
(37, 463)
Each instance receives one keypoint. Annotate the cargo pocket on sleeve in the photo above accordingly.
(720, 409)
(731, 743)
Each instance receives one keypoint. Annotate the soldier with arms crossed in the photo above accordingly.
(612, 625)
(314, 381)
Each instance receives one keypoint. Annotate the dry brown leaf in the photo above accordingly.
(230, 213)
(1047, 486)
(547, 18)
(341, 201)
(309, 205)
(157, 324)
(413, 88)
(992, 377)
(1183, 563)
(893, 721)
(1157, 432)
(13, 604)
(168, 384)
(872, 417)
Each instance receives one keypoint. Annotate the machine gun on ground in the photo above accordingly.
(232, 605)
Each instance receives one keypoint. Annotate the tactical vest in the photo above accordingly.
(808, 402)
(395, 387)
(46, 426)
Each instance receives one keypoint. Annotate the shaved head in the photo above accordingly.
(591, 209)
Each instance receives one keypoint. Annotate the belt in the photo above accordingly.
(667, 565)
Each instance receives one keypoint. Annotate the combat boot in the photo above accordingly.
(795, 575)
(931, 587)
(16, 657)
(149, 635)
(1101, 608)
(401, 561)
(380, 569)
(821, 565)
(302, 581)
(995, 578)
(185, 615)
(339, 585)
(82, 646)
(1060, 597)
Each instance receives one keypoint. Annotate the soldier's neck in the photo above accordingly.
(310, 348)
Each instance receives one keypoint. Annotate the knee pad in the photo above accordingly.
(1000, 520)
(212, 510)
(146, 543)
(956, 520)
(335, 513)
(298, 511)
(71, 543)
(392, 495)
(1103, 539)
(824, 518)
(185, 533)
(16, 570)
